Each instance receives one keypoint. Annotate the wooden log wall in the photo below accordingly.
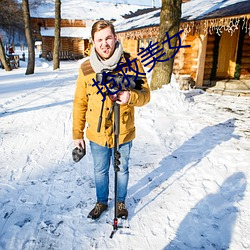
(131, 46)
(209, 57)
(185, 62)
(50, 22)
(73, 45)
(66, 44)
(79, 46)
(47, 45)
(245, 60)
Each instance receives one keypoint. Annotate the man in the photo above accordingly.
(106, 55)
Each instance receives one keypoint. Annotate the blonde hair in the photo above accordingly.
(101, 24)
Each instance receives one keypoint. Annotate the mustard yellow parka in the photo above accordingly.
(87, 107)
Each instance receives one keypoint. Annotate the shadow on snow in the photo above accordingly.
(215, 220)
(22, 110)
(190, 153)
(209, 225)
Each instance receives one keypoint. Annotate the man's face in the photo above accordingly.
(104, 42)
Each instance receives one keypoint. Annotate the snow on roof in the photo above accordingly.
(145, 20)
(85, 10)
(79, 32)
(192, 10)
(197, 9)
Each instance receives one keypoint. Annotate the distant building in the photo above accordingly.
(77, 19)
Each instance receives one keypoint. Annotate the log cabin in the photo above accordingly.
(74, 37)
(77, 17)
(219, 35)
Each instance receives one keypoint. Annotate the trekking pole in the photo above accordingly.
(117, 156)
(100, 119)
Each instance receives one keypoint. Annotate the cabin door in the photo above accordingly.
(227, 55)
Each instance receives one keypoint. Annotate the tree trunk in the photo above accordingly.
(56, 59)
(3, 57)
(169, 22)
(29, 38)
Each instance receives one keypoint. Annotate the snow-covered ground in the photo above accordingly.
(189, 170)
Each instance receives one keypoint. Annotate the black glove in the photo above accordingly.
(120, 81)
(128, 82)
(78, 153)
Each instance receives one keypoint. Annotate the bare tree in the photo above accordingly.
(56, 59)
(36, 3)
(3, 57)
(28, 33)
(11, 16)
(169, 22)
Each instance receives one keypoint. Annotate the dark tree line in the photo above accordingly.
(11, 18)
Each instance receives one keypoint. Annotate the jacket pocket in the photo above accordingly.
(127, 120)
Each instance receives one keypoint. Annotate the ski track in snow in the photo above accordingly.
(180, 181)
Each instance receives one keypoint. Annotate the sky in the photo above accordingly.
(189, 169)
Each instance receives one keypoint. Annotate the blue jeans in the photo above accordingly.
(102, 158)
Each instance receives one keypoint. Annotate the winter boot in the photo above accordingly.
(97, 210)
(122, 211)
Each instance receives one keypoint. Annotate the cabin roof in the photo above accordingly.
(193, 10)
(208, 9)
(77, 32)
(85, 10)
(140, 21)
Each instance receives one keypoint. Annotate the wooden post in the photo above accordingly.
(201, 60)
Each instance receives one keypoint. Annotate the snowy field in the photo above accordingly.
(189, 170)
